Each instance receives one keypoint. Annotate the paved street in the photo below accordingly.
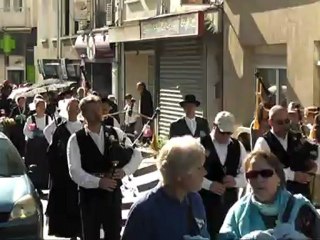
(141, 181)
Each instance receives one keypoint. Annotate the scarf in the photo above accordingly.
(268, 209)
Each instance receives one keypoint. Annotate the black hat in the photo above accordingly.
(190, 99)
(106, 100)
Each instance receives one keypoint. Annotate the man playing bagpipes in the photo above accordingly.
(299, 156)
(99, 157)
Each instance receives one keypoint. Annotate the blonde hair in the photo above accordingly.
(179, 155)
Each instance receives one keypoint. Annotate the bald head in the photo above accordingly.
(279, 120)
(275, 110)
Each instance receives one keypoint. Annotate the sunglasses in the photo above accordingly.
(253, 174)
(283, 121)
(225, 133)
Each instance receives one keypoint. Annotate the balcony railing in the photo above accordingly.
(15, 17)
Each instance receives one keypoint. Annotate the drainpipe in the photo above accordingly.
(59, 49)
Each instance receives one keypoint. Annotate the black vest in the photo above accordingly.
(109, 121)
(285, 156)
(92, 160)
(215, 170)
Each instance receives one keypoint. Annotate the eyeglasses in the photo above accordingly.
(282, 121)
(253, 174)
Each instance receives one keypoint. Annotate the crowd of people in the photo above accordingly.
(75, 147)
(203, 170)
(72, 143)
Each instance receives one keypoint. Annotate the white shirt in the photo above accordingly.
(49, 131)
(40, 122)
(86, 180)
(192, 124)
(222, 151)
(261, 144)
(133, 118)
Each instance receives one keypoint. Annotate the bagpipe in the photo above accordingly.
(120, 153)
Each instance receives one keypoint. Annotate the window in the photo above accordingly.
(195, 1)
(7, 5)
(17, 5)
(272, 79)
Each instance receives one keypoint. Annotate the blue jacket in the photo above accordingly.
(244, 218)
(158, 216)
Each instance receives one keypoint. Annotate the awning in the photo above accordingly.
(95, 46)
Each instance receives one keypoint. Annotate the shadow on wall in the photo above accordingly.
(249, 33)
(239, 7)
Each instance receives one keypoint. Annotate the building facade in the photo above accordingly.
(78, 36)
(175, 47)
(18, 32)
(279, 39)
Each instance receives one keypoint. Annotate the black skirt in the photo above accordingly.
(37, 162)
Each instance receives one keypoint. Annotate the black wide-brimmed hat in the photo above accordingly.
(189, 98)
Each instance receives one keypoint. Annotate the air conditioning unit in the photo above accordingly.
(110, 12)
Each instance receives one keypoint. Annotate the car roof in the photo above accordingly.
(5, 142)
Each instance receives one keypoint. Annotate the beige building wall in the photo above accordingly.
(276, 30)
(47, 43)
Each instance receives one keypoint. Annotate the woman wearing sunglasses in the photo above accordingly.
(270, 211)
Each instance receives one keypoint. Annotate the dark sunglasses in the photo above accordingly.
(283, 121)
(225, 133)
(266, 173)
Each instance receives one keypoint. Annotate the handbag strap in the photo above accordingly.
(287, 211)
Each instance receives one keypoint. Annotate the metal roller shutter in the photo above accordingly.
(181, 73)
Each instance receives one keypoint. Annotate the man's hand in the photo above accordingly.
(107, 184)
(119, 174)
(217, 188)
(302, 177)
(229, 181)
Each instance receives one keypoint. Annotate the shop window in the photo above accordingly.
(274, 84)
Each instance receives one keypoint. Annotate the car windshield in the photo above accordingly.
(10, 160)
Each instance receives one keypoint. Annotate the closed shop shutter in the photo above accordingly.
(181, 73)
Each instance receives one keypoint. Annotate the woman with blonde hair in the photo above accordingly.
(173, 210)
(270, 211)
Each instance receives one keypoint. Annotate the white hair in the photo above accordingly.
(179, 155)
(274, 110)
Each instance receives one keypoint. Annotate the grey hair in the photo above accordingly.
(274, 110)
(178, 156)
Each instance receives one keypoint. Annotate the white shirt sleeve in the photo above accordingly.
(261, 144)
(206, 183)
(116, 123)
(26, 131)
(136, 158)
(77, 174)
(49, 131)
(240, 178)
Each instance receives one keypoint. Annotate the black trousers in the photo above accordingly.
(217, 208)
(100, 208)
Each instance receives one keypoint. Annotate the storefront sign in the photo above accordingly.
(191, 24)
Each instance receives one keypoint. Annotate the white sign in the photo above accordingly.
(91, 48)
